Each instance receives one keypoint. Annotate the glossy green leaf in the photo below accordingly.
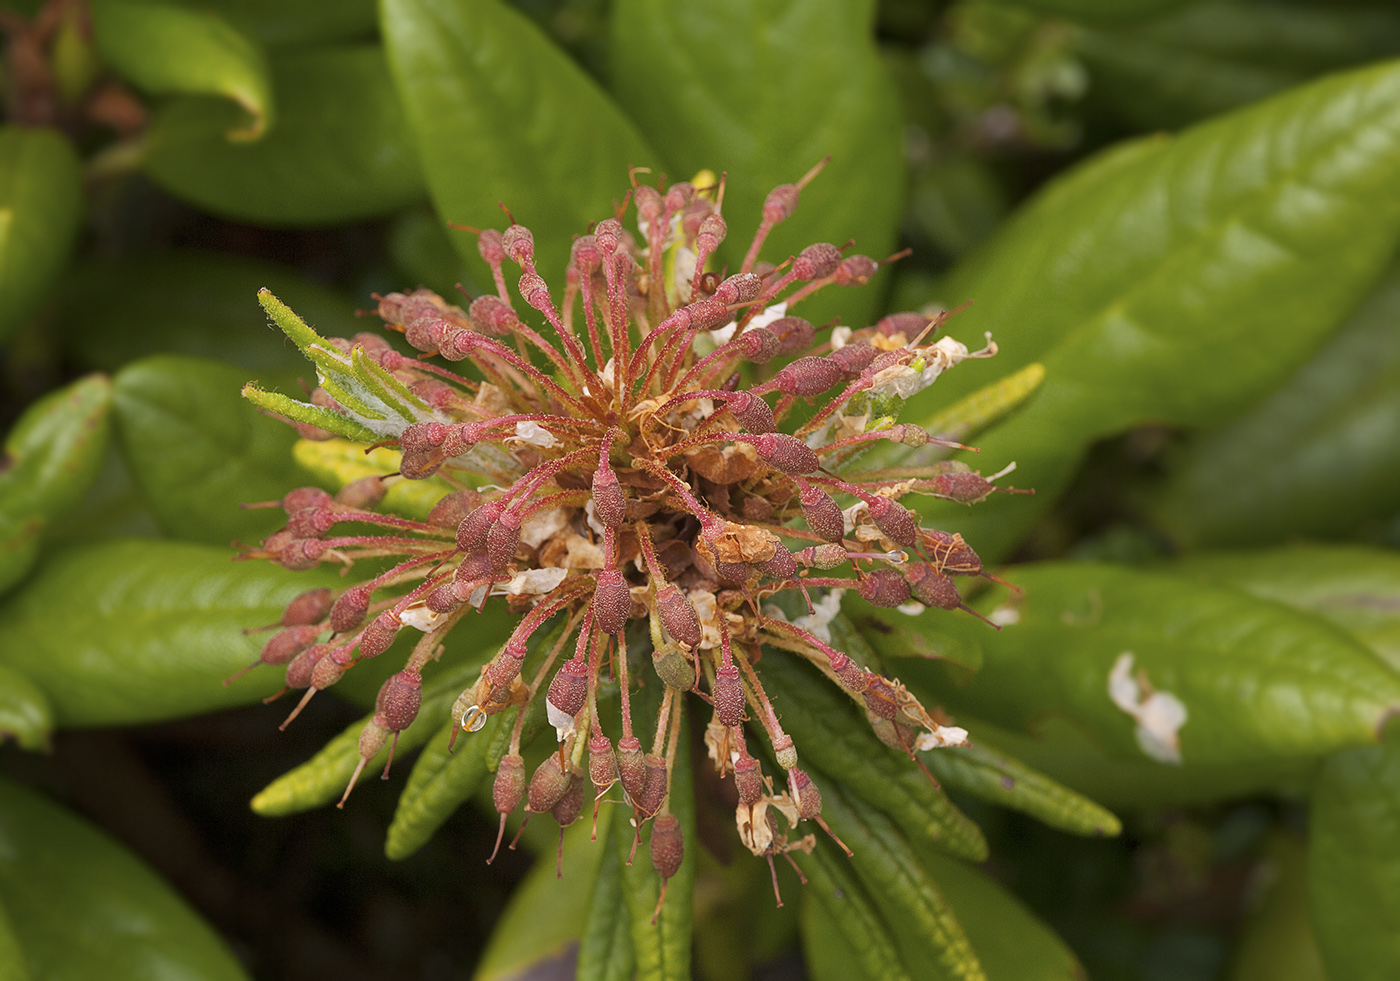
(1257, 681)
(895, 636)
(1320, 457)
(1176, 280)
(1100, 10)
(441, 782)
(50, 459)
(164, 49)
(296, 22)
(341, 150)
(83, 907)
(25, 713)
(843, 933)
(1277, 941)
(1002, 779)
(197, 450)
(423, 253)
(41, 201)
(125, 632)
(541, 926)
(502, 115)
(605, 944)
(901, 890)
(14, 966)
(662, 949)
(1011, 943)
(1353, 864)
(762, 91)
(1211, 57)
(1356, 588)
(204, 304)
(829, 732)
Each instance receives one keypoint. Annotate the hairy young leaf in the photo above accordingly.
(502, 115)
(164, 49)
(125, 632)
(1353, 865)
(81, 906)
(441, 782)
(341, 150)
(41, 201)
(1177, 280)
(763, 91)
(50, 459)
(1319, 457)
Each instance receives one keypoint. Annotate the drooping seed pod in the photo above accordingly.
(794, 334)
(748, 780)
(567, 809)
(807, 376)
(631, 766)
(454, 507)
(884, 588)
(849, 673)
(518, 243)
(547, 785)
(933, 588)
(311, 522)
(822, 514)
(420, 437)
(752, 412)
(727, 692)
(879, 696)
(786, 453)
(307, 608)
(380, 634)
(853, 358)
(612, 601)
(894, 521)
(656, 787)
(951, 555)
(303, 498)
(286, 644)
(350, 609)
(602, 762)
(399, 699)
(758, 345)
(363, 494)
(568, 690)
(300, 667)
(609, 500)
(678, 616)
(781, 566)
(506, 792)
(816, 261)
(667, 845)
(504, 669)
(908, 323)
(492, 315)
(673, 668)
(856, 270)
(419, 464)
(502, 539)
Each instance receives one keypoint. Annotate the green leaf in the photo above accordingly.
(50, 459)
(829, 732)
(1277, 941)
(83, 907)
(605, 944)
(928, 934)
(1354, 587)
(25, 714)
(126, 632)
(1353, 865)
(1002, 779)
(13, 964)
(441, 782)
(762, 91)
(115, 310)
(296, 22)
(1012, 944)
(662, 949)
(1177, 280)
(502, 115)
(197, 450)
(1208, 58)
(1109, 11)
(545, 918)
(843, 934)
(337, 462)
(341, 150)
(1319, 457)
(41, 201)
(1258, 682)
(165, 49)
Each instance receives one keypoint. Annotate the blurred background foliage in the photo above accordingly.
(1184, 211)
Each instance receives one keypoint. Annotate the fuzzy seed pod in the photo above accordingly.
(612, 601)
(567, 810)
(492, 315)
(727, 692)
(608, 235)
(363, 494)
(449, 512)
(502, 540)
(301, 554)
(488, 245)
(933, 588)
(784, 751)
(781, 566)
(350, 609)
(794, 334)
(509, 786)
(809, 798)
(300, 668)
(758, 345)
(965, 487)
(421, 437)
(547, 785)
(780, 203)
(399, 699)
(444, 599)
(602, 762)
(286, 644)
(853, 358)
(908, 323)
(380, 634)
(748, 779)
(879, 696)
(310, 607)
(952, 555)
(569, 688)
(460, 439)
(807, 376)
(303, 498)
(739, 288)
(849, 673)
(330, 669)
(667, 845)
(311, 522)
(752, 412)
(673, 668)
(654, 791)
(505, 668)
(786, 453)
(816, 261)
(609, 500)
(712, 232)
(518, 243)
(631, 766)
(678, 616)
(475, 527)
(372, 739)
(649, 202)
(884, 587)
(856, 270)
(822, 514)
(419, 464)
(894, 521)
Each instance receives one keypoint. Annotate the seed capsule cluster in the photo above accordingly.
(615, 466)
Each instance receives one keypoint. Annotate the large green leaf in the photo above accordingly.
(296, 22)
(82, 907)
(164, 48)
(41, 200)
(1210, 57)
(25, 714)
(1277, 942)
(1356, 588)
(1319, 457)
(605, 941)
(50, 460)
(13, 964)
(138, 631)
(1257, 682)
(1353, 863)
(843, 934)
(341, 150)
(197, 450)
(1177, 280)
(502, 115)
(762, 91)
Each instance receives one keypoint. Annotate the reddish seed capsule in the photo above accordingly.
(631, 766)
(879, 696)
(547, 785)
(849, 673)
(678, 616)
(460, 439)
(885, 588)
(748, 779)
(794, 334)
(350, 609)
(727, 692)
(419, 465)
(502, 539)
(816, 261)
(894, 521)
(809, 798)
(453, 507)
(300, 668)
(330, 669)
(311, 522)
(444, 599)
(853, 358)
(822, 514)
(505, 668)
(786, 453)
(739, 288)
(472, 532)
(711, 234)
(752, 412)
(602, 762)
(299, 555)
(933, 588)
(965, 487)
(781, 566)
(492, 315)
(567, 809)
(952, 555)
(612, 601)
(380, 634)
(399, 699)
(908, 323)
(569, 688)
(667, 845)
(856, 270)
(654, 791)
(609, 500)
(518, 244)
(488, 244)
(303, 498)
(361, 494)
(780, 203)
(807, 376)
(758, 345)
(287, 644)
(509, 786)
(310, 607)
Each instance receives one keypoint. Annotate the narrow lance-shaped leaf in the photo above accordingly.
(837, 913)
(13, 963)
(605, 946)
(1177, 280)
(441, 782)
(502, 115)
(41, 202)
